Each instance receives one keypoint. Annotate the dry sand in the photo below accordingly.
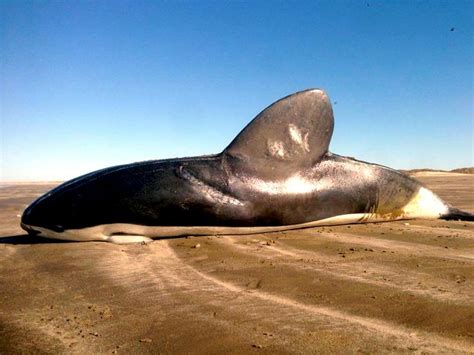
(422, 174)
(379, 288)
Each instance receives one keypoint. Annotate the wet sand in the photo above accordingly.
(403, 286)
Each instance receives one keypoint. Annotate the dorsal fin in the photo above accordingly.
(291, 134)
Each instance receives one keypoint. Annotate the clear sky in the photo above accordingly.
(89, 84)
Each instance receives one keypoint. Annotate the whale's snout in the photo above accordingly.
(29, 229)
(32, 216)
(43, 213)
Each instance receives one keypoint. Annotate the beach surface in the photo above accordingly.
(405, 286)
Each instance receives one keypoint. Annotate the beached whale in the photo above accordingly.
(277, 174)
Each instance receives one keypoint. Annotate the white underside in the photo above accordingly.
(122, 233)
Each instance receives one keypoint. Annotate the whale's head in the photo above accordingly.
(84, 206)
(54, 211)
(73, 205)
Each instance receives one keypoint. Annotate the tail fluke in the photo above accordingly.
(457, 215)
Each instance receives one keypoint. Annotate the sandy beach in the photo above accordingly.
(405, 286)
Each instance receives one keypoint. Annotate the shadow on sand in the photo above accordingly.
(28, 239)
(25, 239)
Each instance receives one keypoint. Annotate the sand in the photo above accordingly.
(421, 174)
(403, 286)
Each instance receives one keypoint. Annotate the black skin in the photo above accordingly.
(217, 190)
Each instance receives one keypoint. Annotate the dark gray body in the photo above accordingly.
(278, 171)
(205, 191)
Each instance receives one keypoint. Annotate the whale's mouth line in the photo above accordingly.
(30, 229)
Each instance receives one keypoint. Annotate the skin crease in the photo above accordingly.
(277, 172)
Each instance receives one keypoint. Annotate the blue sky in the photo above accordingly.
(89, 84)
